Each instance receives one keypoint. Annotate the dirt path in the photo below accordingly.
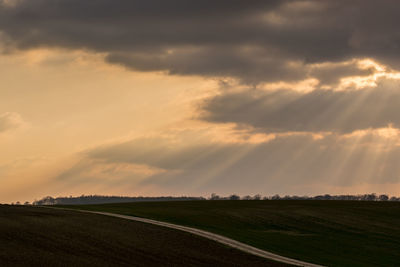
(215, 237)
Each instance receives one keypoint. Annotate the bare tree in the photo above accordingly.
(234, 197)
(383, 198)
(257, 197)
(214, 196)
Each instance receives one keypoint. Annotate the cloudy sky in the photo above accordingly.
(193, 97)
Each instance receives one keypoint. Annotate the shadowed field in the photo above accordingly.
(333, 233)
(34, 236)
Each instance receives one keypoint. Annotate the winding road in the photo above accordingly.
(215, 237)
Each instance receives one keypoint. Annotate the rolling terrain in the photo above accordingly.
(332, 233)
(35, 236)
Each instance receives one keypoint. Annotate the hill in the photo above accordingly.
(35, 236)
(333, 233)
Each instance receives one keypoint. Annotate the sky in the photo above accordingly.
(152, 98)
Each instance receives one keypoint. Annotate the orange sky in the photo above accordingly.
(66, 103)
(297, 97)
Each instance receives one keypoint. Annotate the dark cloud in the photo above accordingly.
(331, 73)
(254, 41)
(317, 111)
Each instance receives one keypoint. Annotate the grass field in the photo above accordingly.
(333, 233)
(34, 236)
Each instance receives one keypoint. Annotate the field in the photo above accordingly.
(333, 233)
(35, 236)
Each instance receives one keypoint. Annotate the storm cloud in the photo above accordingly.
(316, 111)
(253, 41)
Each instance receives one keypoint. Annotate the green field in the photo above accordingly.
(333, 233)
(35, 236)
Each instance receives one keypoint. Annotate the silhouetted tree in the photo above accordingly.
(369, 197)
(257, 197)
(383, 198)
(214, 196)
(234, 197)
(95, 199)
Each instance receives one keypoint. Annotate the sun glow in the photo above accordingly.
(359, 82)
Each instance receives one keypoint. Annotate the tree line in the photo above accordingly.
(362, 197)
(99, 199)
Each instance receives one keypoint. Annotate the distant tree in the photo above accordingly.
(247, 197)
(96, 199)
(369, 197)
(234, 197)
(18, 203)
(275, 197)
(214, 196)
(327, 197)
(257, 197)
(26, 203)
(383, 198)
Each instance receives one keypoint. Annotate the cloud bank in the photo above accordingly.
(283, 164)
(316, 111)
(255, 41)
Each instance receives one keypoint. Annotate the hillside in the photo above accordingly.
(333, 233)
(34, 236)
